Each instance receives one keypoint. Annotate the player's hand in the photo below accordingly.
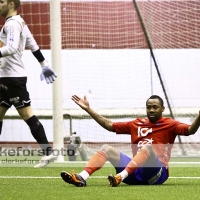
(48, 74)
(83, 103)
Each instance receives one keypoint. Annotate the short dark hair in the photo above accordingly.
(16, 2)
(156, 97)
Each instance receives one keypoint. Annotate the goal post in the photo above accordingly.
(55, 27)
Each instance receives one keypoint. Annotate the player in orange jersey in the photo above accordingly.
(152, 139)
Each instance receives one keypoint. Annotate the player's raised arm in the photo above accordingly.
(194, 126)
(84, 104)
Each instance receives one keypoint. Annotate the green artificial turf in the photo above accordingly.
(22, 183)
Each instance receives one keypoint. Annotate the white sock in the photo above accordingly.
(123, 174)
(84, 174)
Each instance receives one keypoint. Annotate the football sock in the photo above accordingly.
(139, 159)
(84, 174)
(123, 174)
(38, 133)
(96, 162)
(1, 124)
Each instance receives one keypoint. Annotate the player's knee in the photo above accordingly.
(149, 148)
(109, 150)
(105, 148)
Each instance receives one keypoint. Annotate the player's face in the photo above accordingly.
(4, 8)
(154, 110)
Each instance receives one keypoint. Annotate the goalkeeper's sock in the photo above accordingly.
(96, 162)
(38, 133)
(1, 124)
(139, 159)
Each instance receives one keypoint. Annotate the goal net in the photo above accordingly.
(106, 56)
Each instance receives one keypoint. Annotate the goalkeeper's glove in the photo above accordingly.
(47, 73)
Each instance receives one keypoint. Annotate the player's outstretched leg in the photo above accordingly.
(73, 178)
(114, 181)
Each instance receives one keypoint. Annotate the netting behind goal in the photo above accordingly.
(106, 56)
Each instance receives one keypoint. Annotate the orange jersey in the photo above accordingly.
(160, 134)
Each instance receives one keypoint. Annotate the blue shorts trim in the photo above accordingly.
(144, 175)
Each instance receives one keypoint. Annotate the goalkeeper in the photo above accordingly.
(14, 37)
(152, 139)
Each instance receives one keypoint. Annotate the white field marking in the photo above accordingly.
(95, 177)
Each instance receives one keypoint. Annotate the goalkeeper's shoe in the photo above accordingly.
(72, 178)
(46, 160)
(114, 181)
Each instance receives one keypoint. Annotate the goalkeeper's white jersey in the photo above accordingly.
(14, 37)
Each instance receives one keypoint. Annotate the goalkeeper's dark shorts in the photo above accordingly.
(153, 174)
(13, 91)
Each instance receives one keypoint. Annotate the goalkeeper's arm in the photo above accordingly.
(47, 72)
